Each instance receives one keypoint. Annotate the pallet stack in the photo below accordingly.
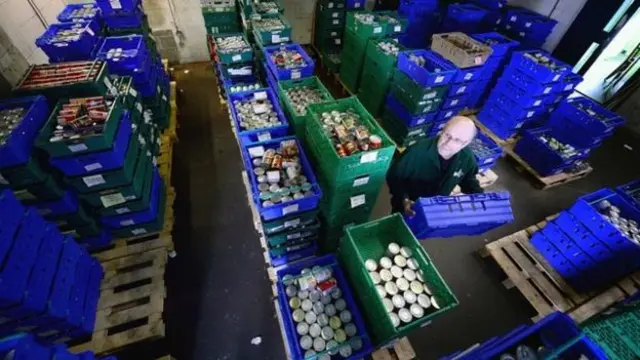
(220, 16)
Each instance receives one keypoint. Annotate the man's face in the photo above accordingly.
(456, 136)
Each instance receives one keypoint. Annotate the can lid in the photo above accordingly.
(350, 329)
(405, 315)
(424, 301)
(400, 261)
(393, 248)
(310, 317)
(391, 288)
(388, 305)
(396, 271)
(406, 252)
(395, 320)
(398, 301)
(409, 297)
(371, 265)
(416, 287)
(340, 304)
(306, 342)
(385, 262)
(345, 317)
(416, 311)
(409, 274)
(381, 291)
(335, 322)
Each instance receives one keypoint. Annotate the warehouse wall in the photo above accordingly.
(565, 13)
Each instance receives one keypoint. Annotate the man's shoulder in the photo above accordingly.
(467, 156)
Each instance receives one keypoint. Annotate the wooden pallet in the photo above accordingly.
(543, 287)
(400, 349)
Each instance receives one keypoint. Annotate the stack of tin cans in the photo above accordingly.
(324, 323)
(256, 113)
(287, 59)
(627, 227)
(564, 150)
(401, 285)
(81, 117)
(232, 44)
(348, 134)
(303, 96)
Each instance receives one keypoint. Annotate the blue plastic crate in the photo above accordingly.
(65, 276)
(125, 54)
(435, 72)
(80, 12)
(596, 249)
(500, 44)
(522, 19)
(466, 75)
(498, 121)
(121, 5)
(487, 152)
(526, 82)
(67, 204)
(140, 217)
(96, 242)
(437, 127)
(445, 115)
(542, 73)
(24, 346)
(465, 13)
(93, 296)
(403, 114)
(327, 261)
(591, 116)
(251, 136)
(491, 4)
(79, 290)
(294, 255)
(11, 214)
(460, 89)
(289, 74)
(100, 161)
(631, 193)
(448, 216)
(502, 99)
(455, 101)
(520, 96)
(544, 160)
(289, 208)
(119, 20)
(18, 145)
(80, 47)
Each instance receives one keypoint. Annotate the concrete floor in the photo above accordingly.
(219, 296)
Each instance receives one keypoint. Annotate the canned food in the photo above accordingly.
(409, 274)
(385, 262)
(388, 304)
(295, 302)
(345, 316)
(318, 308)
(434, 303)
(406, 252)
(393, 249)
(424, 301)
(409, 297)
(323, 320)
(350, 330)
(395, 320)
(416, 311)
(325, 299)
(402, 284)
(335, 323)
(412, 264)
(302, 329)
(426, 289)
(309, 353)
(420, 276)
(356, 343)
(396, 271)
(371, 265)
(416, 287)
(405, 315)
(310, 317)
(326, 333)
(329, 309)
(398, 301)
(332, 346)
(336, 294)
(319, 344)
(345, 351)
(385, 275)
(315, 295)
(375, 277)
(306, 342)
(303, 294)
(400, 261)
(314, 330)
(291, 291)
(307, 305)
(391, 288)
(298, 315)
(339, 336)
(381, 291)
(340, 304)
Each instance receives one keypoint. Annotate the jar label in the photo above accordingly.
(92, 167)
(78, 147)
(290, 209)
(336, 22)
(361, 181)
(335, 14)
(369, 157)
(357, 200)
(112, 200)
(93, 180)
(478, 60)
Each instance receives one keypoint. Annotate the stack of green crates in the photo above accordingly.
(298, 117)
(377, 72)
(222, 17)
(329, 27)
(617, 330)
(350, 184)
(415, 98)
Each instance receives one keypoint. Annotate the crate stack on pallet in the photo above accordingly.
(329, 30)
(235, 63)
(528, 27)
(124, 17)
(50, 283)
(220, 16)
(23, 346)
(555, 337)
(422, 21)
(466, 18)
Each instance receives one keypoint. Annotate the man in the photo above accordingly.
(435, 166)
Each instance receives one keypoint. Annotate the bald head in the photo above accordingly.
(456, 135)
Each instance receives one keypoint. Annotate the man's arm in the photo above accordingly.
(469, 183)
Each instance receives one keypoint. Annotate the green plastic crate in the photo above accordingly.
(230, 16)
(110, 179)
(378, 62)
(350, 167)
(126, 90)
(396, 24)
(331, 60)
(289, 222)
(374, 30)
(237, 56)
(416, 92)
(273, 37)
(146, 228)
(338, 206)
(414, 107)
(400, 133)
(127, 192)
(617, 331)
(118, 205)
(370, 241)
(85, 144)
(215, 29)
(78, 219)
(349, 74)
(293, 235)
(297, 120)
(332, 230)
(24, 175)
(47, 190)
(355, 45)
(372, 92)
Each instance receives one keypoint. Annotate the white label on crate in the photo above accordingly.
(60, 44)
(260, 95)
(139, 107)
(123, 210)
(90, 31)
(259, 108)
(426, 324)
(295, 74)
(127, 222)
(219, 9)
(527, 25)
(336, 22)
(537, 103)
(397, 28)
(264, 136)
(256, 151)
(441, 125)
(377, 30)
(335, 14)
(112, 200)
(93, 180)
(108, 82)
(488, 160)
(330, 5)
(357, 200)
(164, 98)
(414, 132)
(284, 38)
(294, 236)
(478, 60)
(115, 4)
(439, 79)
(455, 102)
(155, 161)
(519, 125)
(461, 90)
(3, 181)
(133, 92)
(371, 156)
(236, 58)
(430, 95)
(449, 114)
(291, 223)
(547, 90)
(421, 103)
(361, 181)
(468, 76)
(139, 231)
(530, 113)
(421, 120)
(556, 78)
(513, 18)
(338, 41)
(568, 87)
(77, 147)
(290, 209)
(92, 167)
(275, 38)
(356, 5)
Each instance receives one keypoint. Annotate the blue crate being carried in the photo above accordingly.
(70, 41)
(250, 135)
(311, 192)
(281, 73)
(449, 216)
(426, 67)
(30, 113)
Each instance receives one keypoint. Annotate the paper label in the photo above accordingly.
(420, 121)
(335, 14)
(139, 231)
(377, 30)
(430, 95)
(537, 103)
(292, 223)
(468, 76)
(260, 95)
(454, 102)
(295, 74)
(236, 58)
(338, 41)
(123, 210)
(155, 161)
(107, 82)
(361, 181)
(568, 87)
(530, 113)
(461, 90)
(547, 90)
(264, 136)
(164, 98)
(93, 180)
(357, 200)
(294, 236)
(77, 147)
(478, 60)
(519, 125)
(275, 38)
(336, 22)
(112, 200)
(414, 132)
(92, 167)
(115, 4)
(133, 92)
(488, 161)
(334, 34)
(371, 156)
(439, 79)
(128, 222)
(513, 18)
(556, 78)
(256, 151)
(259, 108)
(88, 29)
(61, 44)
(527, 25)
(357, 5)
(330, 5)
(449, 114)
(3, 181)
(290, 209)
(397, 28)
(139, 107)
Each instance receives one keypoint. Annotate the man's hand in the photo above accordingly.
(408, 204)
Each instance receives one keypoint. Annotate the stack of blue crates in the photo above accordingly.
(81, 12)
(587, 246)
(466, 18)
(555, 337)
(528, 27)
(423, 21)
(449, 216)
(275, 73)
(123, 16)
(25, 347)
(502, 48)
(486, 152)
(631, 192)
(71, 41)
(49, 284)
(527, 89)
(493, 17)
